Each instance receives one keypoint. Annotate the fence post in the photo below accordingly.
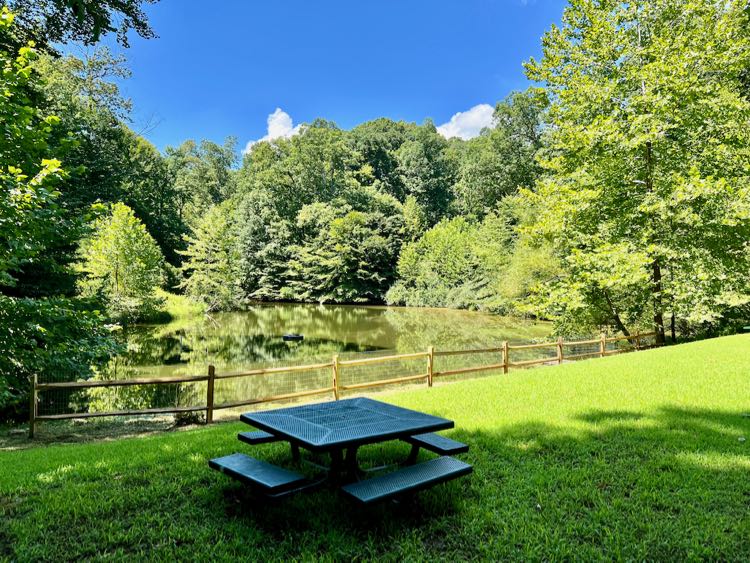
(32, 407)
(430, 361)
(336, 377)
(210, 394)
(602, 345)
(559, 350)
(637, 339)
(506, 360)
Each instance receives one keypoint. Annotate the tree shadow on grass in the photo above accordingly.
(671, 483)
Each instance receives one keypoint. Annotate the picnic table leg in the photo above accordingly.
(412, 459)
(344, 468)
(337, 462)
(353, 472)
(295, 452)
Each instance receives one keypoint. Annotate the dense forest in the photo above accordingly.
(614, 193)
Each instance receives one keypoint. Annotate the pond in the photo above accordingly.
(253, 338)
(238, 342)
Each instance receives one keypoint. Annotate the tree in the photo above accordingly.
(646, 200)
(149, 190)
(123, 264)
(503, 158)
(346, 255)
(61, 21)
(51, 336)
(28, 174)
(377, 142)
(415, 218)
(202, 176)
(427, 171)
(517, 262)
(441, 269)
(109, 162)
(302, 201)
(212, 260)
(316, 165)
(265, 240)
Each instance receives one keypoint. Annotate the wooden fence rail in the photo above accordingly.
(336, 386)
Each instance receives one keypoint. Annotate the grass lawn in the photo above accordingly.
(639, 456)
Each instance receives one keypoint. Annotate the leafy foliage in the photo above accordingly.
(503, 158)
(60, 21)
(37, 336)
(348, 257)
(122, 264)
(212, 260)
(55, 338)
(441, 269)
(28, 198)
(110, 163)
(377, 142)
(646, 199)
(427, 171)
(201, 176)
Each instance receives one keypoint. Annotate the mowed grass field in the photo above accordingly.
(639, 456)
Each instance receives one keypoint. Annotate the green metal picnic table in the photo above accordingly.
(339, 429)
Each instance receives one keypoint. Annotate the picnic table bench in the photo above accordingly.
(339, 429)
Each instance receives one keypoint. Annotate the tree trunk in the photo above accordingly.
(655, 266)
(616, 316)
(673, 328)
(658, 306)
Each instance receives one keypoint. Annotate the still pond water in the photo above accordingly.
(239, 341)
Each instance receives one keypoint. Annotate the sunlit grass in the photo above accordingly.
(180, 307)
(639, 456)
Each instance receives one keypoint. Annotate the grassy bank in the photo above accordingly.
(640, 456)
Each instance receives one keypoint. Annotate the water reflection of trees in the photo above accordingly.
(252, 338)
(448, 329)
(255, 337)
(241, 341)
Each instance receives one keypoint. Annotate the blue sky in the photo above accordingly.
(222, 68)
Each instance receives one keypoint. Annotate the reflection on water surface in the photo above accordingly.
(238, 341)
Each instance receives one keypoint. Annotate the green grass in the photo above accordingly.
(638, 456)
(173, 308)
(180, 307)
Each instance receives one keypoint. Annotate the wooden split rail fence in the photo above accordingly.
(336, 387)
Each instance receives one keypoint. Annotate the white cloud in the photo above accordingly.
(280, 126)
(469, 123)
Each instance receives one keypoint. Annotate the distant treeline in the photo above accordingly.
(387, 212)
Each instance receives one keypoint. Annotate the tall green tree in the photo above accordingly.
(503, 158)
(148, 187)
(377, 143)
(212, 261)
(109, 163)
(441, 268)
(265, 240)
(202, 176)
(122, 264)
(316, 165)
(29, 174)
(646, 197)
(54, 335)
(428, 171)
(346, 255)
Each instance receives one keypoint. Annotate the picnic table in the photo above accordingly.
(339, 429)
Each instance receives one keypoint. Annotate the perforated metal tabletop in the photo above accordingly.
(345, 423)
